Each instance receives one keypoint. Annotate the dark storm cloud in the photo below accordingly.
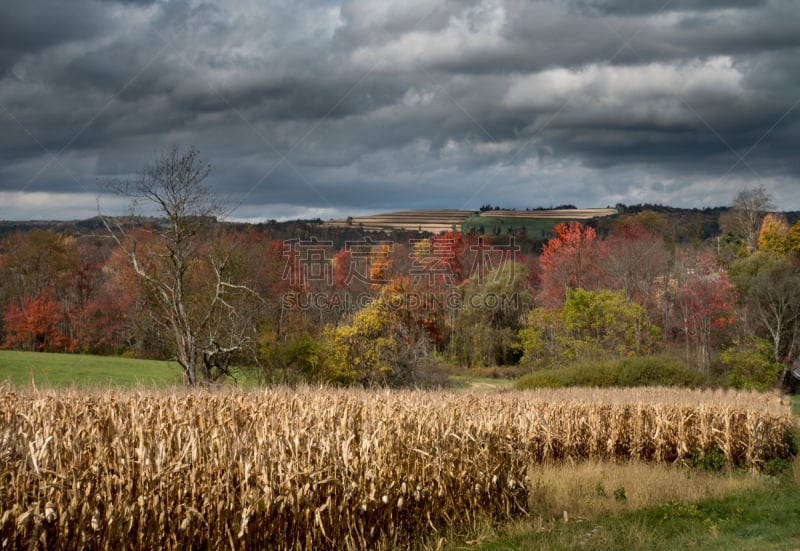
(330, 107)
(31, 27)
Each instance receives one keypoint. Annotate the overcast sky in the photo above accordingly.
(313, 108)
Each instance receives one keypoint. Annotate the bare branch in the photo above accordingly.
(201, 311)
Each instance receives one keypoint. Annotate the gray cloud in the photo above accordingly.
(661, 6)
(359, 105)
(30, 28)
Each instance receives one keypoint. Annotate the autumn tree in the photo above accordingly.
(589, 325)
(37, 325)
(774, 234)
(793, 238)
(544, 340)
(705, 302)
(619, 326)
(492, 311)
(45, 286)
(435, 269)
(770, 288)
(635, 261)
(118, 315)
(449, 247)
(743, 220)
(190, 281)
(750, 364)
(36, 261)
(652, 223)
(568, 261)
(438, 260)
(381, 346)
(288, 328)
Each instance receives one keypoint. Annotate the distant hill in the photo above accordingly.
(530, 227)
(561, 214)
(436, 221)
(89, 226)
(433, 221)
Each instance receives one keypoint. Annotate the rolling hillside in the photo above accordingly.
(433, 221)
(563, 214)
(436, 221)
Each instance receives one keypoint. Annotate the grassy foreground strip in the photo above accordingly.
(329, 469)
(759, 519)
(637, 506)
(45, 370)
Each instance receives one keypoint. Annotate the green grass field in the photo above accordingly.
(65, 370)
(540, 228)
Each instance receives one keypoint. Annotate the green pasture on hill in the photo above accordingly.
(540, 228)
(45, 370)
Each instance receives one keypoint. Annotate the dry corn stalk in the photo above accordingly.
(323, 468)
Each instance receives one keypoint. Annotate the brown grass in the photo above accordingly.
(328, 469)
(592, 489)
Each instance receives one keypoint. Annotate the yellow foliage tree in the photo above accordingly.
(380, 346)
(590, 325)
(380, 263)
(774, 234)
(793, 238)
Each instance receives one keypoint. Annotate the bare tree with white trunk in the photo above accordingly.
(186, 266)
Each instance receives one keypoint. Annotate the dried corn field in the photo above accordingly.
(336, 469)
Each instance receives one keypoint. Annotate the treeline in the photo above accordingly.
(376, 311)
(488, 207)
(384, 309)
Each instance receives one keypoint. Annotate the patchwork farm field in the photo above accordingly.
(563, 214)
(540, 228)
(319, 468)
(434, 221)
(535, 223)
(538, 223)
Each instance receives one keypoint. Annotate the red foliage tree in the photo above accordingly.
(342, 269)
(449, 248)
(568, 261)
(635, 261)
(111, 316)
(37, 325)
(705, 301)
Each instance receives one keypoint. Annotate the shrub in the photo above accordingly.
(297, 359)
(628, 372)
(712, 459)
(750, 365)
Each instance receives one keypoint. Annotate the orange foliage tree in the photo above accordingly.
(568, 261)
(38, 324)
